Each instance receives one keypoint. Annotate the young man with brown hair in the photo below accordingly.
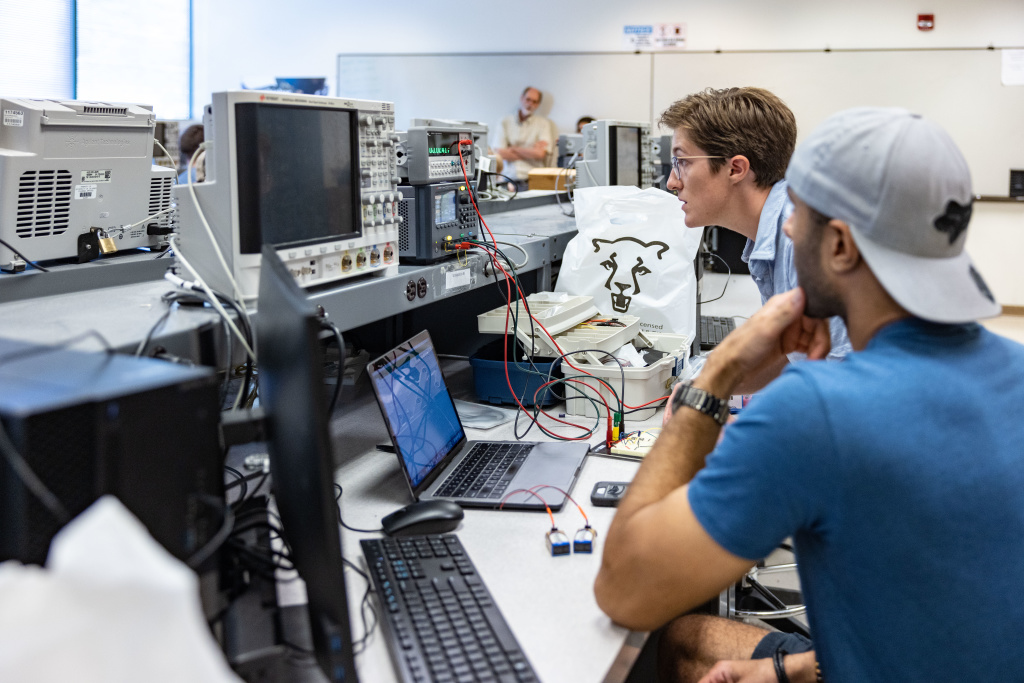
(730, 149)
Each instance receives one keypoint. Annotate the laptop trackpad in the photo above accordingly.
(554, 464)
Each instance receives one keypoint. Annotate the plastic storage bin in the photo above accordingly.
(489, 376)
(642, 384)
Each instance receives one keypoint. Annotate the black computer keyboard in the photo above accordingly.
(441, 623)
(486, 471)
(713, 330)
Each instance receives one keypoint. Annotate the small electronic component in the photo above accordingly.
(558, 542)
(583, 542)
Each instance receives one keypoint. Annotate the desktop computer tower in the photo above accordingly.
(89, 424)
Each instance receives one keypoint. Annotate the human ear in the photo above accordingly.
(739, 167)
(841, 250)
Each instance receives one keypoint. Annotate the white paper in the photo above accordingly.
(112, 606)
(628, 356)
(96, 176)
(1013, 67)
(638, 37)
(13, 117)
(457, 278)
(670, 36)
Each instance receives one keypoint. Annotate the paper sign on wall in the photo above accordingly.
(653, 37)
(638, 37)
(1013, 67)
(670, 36)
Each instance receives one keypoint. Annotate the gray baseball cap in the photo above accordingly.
(904, 188)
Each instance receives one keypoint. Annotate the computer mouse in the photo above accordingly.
(423, 517)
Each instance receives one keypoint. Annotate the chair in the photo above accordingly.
(749, 598)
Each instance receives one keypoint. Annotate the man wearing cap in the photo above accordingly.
(899, 473)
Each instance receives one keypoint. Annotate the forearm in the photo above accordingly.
(676, 457)
(643, 582)
(659, 561)
(508, 153)
(801, 668)
(533, 153)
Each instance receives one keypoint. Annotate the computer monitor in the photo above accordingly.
(77, 180)
(313, 176)
(616, 153)
(625, 153)
(292, 393)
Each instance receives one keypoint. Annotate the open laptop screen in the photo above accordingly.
(417, 406)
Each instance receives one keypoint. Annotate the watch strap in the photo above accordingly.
(703, 402)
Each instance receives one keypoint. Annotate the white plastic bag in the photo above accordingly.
(634, 255)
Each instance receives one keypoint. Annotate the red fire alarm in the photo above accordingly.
(925, 22)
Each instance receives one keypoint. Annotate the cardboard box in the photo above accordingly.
(547, 178)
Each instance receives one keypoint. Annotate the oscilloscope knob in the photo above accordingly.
(367, 120)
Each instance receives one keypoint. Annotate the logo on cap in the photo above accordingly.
(954, 220)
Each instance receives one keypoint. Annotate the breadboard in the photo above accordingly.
(635, 444)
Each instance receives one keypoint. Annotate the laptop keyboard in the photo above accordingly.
(486, 471)
(440, 621)
(713, 330)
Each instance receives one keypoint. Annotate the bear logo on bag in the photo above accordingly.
(626, 263)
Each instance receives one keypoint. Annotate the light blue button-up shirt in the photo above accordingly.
(770, 259)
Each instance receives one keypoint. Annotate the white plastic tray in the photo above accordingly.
(568, 319)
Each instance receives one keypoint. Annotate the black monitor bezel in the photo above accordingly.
(301, 461)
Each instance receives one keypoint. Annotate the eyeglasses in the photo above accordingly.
(679, 163)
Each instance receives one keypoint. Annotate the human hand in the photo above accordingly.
(741, 671)
(668, 404)
(779, 328)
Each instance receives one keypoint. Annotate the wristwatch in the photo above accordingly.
(701, 401)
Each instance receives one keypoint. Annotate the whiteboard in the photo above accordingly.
(958, 89)
(487, 87)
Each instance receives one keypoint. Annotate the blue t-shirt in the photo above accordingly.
(900, 475)
(770, 259)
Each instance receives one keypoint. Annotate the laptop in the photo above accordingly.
(437, 459)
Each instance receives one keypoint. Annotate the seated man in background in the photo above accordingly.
(899, 472)
(583, 121)
(730, 148)
(525, 138)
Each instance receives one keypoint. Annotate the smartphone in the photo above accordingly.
(607, 493)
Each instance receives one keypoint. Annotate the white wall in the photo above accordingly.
(252, 42)
(255, 41)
